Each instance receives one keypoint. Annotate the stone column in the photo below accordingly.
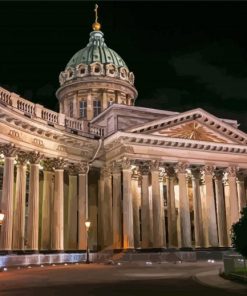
(58, 206)
(89, 106)
(72, 208)
(210, 204)
(184, 209)
(171, 208)
(7, 200)
(20, 203)
(33, 202)
(234, 208)
(104, 100)
(197, 205)
(241, 191)
(158, 216)
(47, 202)
(107, 226)
(136, 208)
(83, 170)
(228, 212)
(145, 207)
(117, 207)
(221, 209)
(128, 235)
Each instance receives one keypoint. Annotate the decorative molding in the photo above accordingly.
(47, 164)
(22, 158)
(14, 134)
(59, 163)
(61, 148)
(38, 142)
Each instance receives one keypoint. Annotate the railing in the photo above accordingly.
(74, 124)
(97, 130)
(36, 111)
(49, 115)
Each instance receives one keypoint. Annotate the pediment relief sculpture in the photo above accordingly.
(192, 131)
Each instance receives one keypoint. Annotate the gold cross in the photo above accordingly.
(96, 13)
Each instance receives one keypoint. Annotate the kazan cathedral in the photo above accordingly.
(144, 178)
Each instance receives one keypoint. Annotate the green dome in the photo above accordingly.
(96, 51)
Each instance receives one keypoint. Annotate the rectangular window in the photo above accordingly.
(71, 109)
(83, 109)
(96, 107)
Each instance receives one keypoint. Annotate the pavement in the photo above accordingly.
(130, 279)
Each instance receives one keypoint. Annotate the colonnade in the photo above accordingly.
(161, 205)
(44, 228)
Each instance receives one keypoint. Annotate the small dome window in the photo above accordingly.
(96, 69)
(82, 71)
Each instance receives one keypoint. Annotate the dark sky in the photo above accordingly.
(184, 54)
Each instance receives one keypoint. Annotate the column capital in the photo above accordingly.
(73, 170)
(196, 173)
(218, 175)
(240, 176)
(208, 169)
(170, 171)
(35, 157)
(82, 167)
(126, 163)
(47, 164)
(116, 168)
(155, 166)
(232, 171)
(22, 158)
(106, 172)
(182, 167)
(9, 150)
(144, 168)
(58, 163)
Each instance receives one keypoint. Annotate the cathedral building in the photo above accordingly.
(145, 178)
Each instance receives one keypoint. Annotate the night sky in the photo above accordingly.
(184, 54)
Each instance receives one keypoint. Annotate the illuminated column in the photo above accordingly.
(20, 203)
(9, 152)
(136, 209)
(128, 235)
(221, 209)
(33, 202)
(171, 208)
(72, 208)
(101, 209)
(184, 210)
(158, 216)
(117, 207)
(233, 193)
(47, 200)
(83, 169)
(197, 205)
(145, 207)
(89, 106)
(58, 206)
(228, 212)
(108, 238)
(241, 191)
(210, 204)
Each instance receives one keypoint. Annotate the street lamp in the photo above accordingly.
(87, 224)
(2, 216)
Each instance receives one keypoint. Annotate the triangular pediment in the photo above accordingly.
(197, 125)
(192, 130)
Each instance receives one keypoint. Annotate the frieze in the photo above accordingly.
(14, 134)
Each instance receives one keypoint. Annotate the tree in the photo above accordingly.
(239, 235)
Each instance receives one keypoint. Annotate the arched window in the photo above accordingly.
(96, 107)
(83, 109)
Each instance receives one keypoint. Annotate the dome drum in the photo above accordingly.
(96, 69)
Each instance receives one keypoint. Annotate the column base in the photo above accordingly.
(6, 252)
(186, 249)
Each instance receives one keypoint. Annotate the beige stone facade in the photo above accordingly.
(145, 178)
